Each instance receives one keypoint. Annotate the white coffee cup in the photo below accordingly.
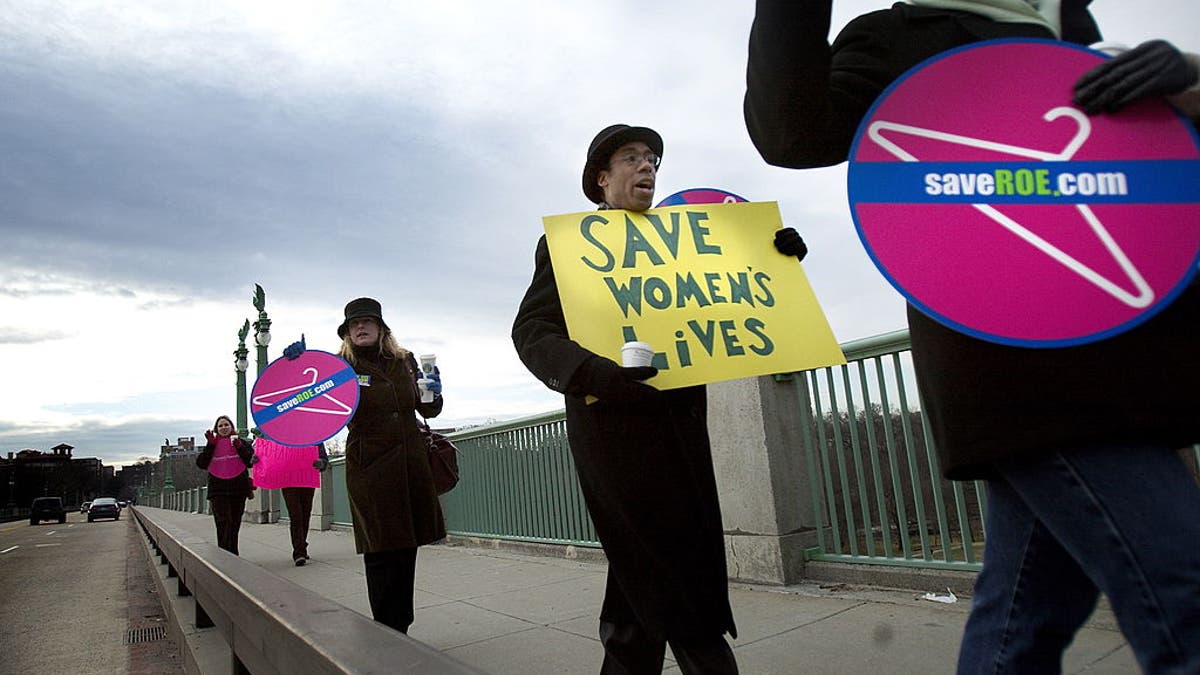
(634, 354)
(428, 361)
(427, 396)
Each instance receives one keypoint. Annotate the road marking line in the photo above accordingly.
(51, 532)
(11, 548)
(42, 545)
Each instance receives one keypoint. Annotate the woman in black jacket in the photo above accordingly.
(1085, 493)
(226, 457)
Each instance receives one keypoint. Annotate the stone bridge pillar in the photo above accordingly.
(755, 426)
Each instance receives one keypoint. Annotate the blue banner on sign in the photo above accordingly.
(1076, 182)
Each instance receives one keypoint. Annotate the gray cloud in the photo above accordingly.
(16, 336)
(389, 151)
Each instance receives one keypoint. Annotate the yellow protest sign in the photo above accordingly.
(702, 283)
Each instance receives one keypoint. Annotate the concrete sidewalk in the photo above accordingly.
(514, 614)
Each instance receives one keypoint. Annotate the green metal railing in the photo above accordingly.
(876, 490)
(518, 482)
(874, 485)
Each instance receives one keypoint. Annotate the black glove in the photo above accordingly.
(608, 381)
(294, 350)
(253, 459)
(1154, 68)
(789, 242)
(320, 464)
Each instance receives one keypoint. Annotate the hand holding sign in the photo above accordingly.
(294, 350)
(1154, 68)
(607, 381)
(789, 242)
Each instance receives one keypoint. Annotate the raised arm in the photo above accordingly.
(539, 331)
(804, 98)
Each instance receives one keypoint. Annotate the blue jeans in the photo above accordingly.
(1064, 527)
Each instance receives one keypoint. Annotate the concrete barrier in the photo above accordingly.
(272, 625)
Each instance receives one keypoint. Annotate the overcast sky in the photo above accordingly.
(160, 158)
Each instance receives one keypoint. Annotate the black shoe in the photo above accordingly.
(299, 562)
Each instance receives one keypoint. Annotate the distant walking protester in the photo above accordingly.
(226, 457)
(296, 486)
(299, 501)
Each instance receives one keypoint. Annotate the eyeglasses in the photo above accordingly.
(634, 159)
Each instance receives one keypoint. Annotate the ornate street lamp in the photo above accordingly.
(262, 338)
(168, 473)
(240, 364)
(262, 327)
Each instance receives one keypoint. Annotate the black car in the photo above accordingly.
(104, 507)
(47, 508)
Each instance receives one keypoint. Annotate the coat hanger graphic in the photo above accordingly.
(344, 410)
(1145, 294)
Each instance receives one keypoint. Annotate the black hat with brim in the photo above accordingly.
(605, 144)
(362, 308)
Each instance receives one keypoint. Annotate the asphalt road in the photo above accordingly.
(63, 600)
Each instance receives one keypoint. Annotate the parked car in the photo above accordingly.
(83, 508)
(47, 508)
(104, 507)
(122, 503)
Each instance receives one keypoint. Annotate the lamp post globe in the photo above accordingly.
(262, 327)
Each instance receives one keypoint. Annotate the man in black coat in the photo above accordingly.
(642, 455)
(1085, 493)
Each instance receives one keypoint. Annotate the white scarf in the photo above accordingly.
(1042, 12)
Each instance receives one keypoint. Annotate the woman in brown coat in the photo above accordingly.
(392, 497)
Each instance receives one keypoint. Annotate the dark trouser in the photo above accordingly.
(227, 511)
(629, 650)
(299, 502)
(390, 579)
(1069, 525)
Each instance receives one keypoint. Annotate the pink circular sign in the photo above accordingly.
(998, 208)
(700, 196)
(304, 401)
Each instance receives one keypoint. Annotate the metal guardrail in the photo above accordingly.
(874, 483)
(7, 515)
(873, 478)
(876, 488)
(518, 482)
(275, 626)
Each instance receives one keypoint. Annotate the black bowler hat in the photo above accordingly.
(362, 308)
(605, 144)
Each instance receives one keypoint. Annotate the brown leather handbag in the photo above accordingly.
(443, 459)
